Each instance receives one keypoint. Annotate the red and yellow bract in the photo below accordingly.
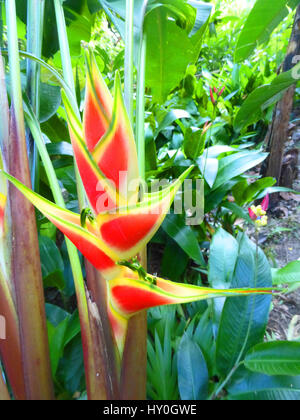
(104, 149)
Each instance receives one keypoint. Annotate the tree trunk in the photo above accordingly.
(278, 132)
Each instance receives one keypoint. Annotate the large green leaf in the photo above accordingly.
(171, 116)
(169, 51)
(268, 395)
(172, 44)
(175, 226)
(264, 17)
(223, 256)
(52, 263)
(244, 320)
(50, 101)
(73, 10)
(62, 329)
(237, 164)
(264, 96)
(192, 371)
(174, 261)
(275, 358)
(290, 274)
(209, 168)
(247, 385)
(256, 187)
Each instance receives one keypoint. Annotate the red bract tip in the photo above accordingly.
(215, 90)
(265, 203)
(212, 96)
(252, 214)
(221, 91)
(206, 127)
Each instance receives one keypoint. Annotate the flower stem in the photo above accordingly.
(140, 109)
(129, 69)
(35, 20)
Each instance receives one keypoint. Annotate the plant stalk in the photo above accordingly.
(26, 266)
(140, 108)
(129, 68)
(4, 394)
(35, 19)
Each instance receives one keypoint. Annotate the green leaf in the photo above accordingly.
(244, 320)
(175, 226)
(256, 187)
(203, 13)
(52, 263)
(238, 211)
(192, 371)
(275, 358)
(237, 164)
(264, 17)
(251, 110)
(223, 256)
(50, 101)
(238, 191)
(174, 261)
(209, 168)
(268, 395)
(194, 143)
(173, 115)
(60, 148)
(169, 51)
(290, 274)
(56, 334)
(71, 367)
(255, 386)
(272, 190)
(162, 375)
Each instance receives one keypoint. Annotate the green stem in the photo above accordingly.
(64, 45)
(140, 109)
(226, 381)
(128, 95)
(35, 19)
(69, 78)
(1, 24)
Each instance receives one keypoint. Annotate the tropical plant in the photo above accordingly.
(96, 156)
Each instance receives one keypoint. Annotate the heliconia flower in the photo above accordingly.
(259, 213)
(129, 294)
(212, 96)
(108, 167)
(117, 227)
